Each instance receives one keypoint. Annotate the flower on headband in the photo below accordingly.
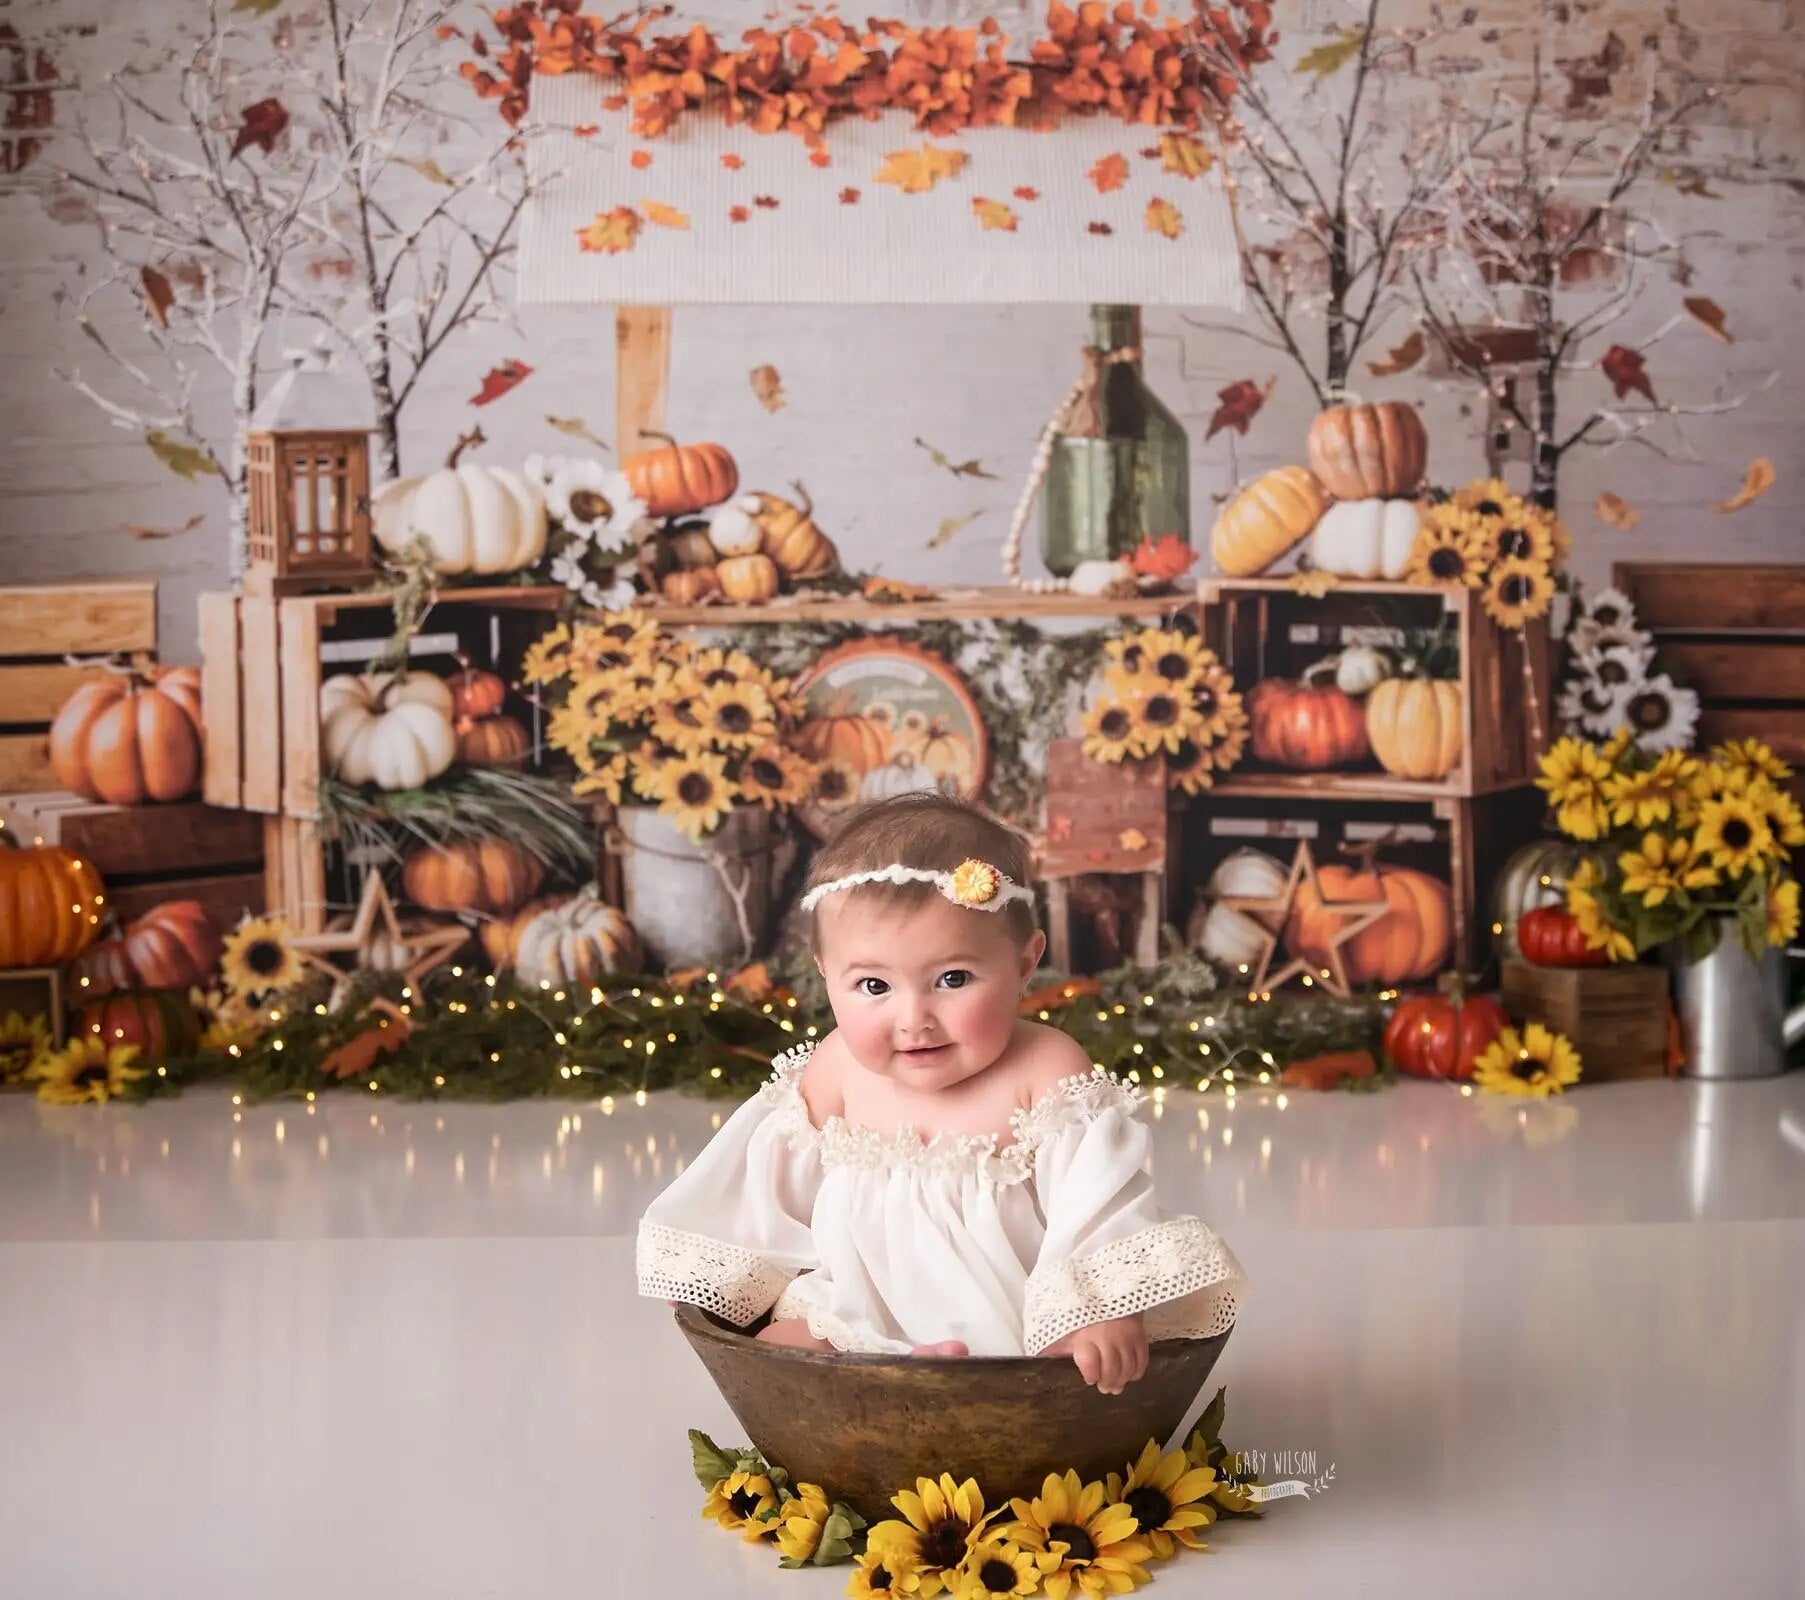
(975, 883)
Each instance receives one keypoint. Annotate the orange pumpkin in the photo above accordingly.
(160, 1022)
(862, 742)
(127, 738)
(690, 586)
(1271, 515)
(493, 742)
(1369, 452)
(1434, 1037)
(49, 906)
(172, 946)
(1409, 943)
(748, 579)
(482, 875)
(793, 539)
(1308, 726)
(675, 479)
(948, 755)
(475, 693)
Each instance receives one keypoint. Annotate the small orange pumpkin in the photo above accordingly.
(748, 579)
(493, 742)
(1308, 726)
(1373, 452)
(160, 1022)
(1271, 515)
(49, 906)
(172, 946)
(793, 539)
(690, 586)
(128, 737)
(482, 875)
(475, 693)
(675, 479)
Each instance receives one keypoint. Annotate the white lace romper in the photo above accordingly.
(885, 1241)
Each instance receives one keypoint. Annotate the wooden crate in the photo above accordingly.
(40, 626)
(1618, 1017)
(1736, 634)
(35, 992)
(1263, 628)
(185, 850)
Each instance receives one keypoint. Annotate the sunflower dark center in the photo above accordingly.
(1515, 590)
(1133, 658)
(1607, 616)
(94, 1072)
(832, 785)
(693, 788)
(1515, 542)
(1737, 834)
(765, 772)
(1150, 1507)
(944, 1543)
(1114, 723)
(735, 718)
(1205, 699)
(588, 506)
(1527, 1068)
(743, 1502)
(1489, 508)
(878, 1579)
(1161, 711)
(263, 957)
(1083, 1548)
(1173, 667)
(1647, 711)
(1447, 562)
(998, 1577)
(718, 675)
(1186, 756)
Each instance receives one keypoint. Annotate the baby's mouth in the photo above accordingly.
(926, 1050)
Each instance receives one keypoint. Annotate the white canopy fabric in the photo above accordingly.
(803, 236)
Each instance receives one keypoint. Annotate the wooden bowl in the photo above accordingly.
(864, 1426)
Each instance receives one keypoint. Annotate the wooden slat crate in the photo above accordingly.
(1736, 634)
(1618, 1017)
(148, 854)
(1263, 628)
(40, 625)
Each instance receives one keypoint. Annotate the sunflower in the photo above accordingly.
(86, 1069)
(774, 776)
(593, 500)
(1522, 534)
(836, 786)
(678, 719)
(547, 657)
(1662, 867)
(257, 957)
(1215, 706)
(1536, 1061)
(1168, 1496)
(1178, 658)
(994, 1567)
(696, 793)
(737, 716)
(1663, 717)
(1753, 756)
(1162, 715)
(800, 1520)
(941, 1522)
(1517, 592)
(1488, 497)
(740, 1500)
(1641, 799)
(975, 883)
(881, 1575)
(1189, 768)
(1783, 912)
(1585, 703)
(1573, 776)
(713, 666)
(606, 778)
(1093, 1541)
(1128, 651)
(1110, 734)
(1447, 551)
(1233, 1493)
(1615, 666)
(1599, 932)
(22, 1041)
(1228, 749)
(1736, 834)
(1784, 819)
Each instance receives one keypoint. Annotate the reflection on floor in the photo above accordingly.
(393, 1350)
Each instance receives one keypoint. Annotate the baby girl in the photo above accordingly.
(936, 1176)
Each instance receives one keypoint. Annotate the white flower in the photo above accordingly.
(617, 594)
(1588, 636)
(1616, 665)
(1660, 716)
(1608, 606)
(1586, 707)
(1605, 617)
(542, 471)
(590, 498)
(568, 570)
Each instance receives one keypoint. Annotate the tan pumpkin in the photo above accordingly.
(1270, 516)
(50, 905)
(691, 587)
(493, 742)
(1375, 452)
(575, 942)
(862, 742)
(1414, 726)
(793, 540)
(748, 579)
(1409, 943)
(690, 545)
(675, 479)
(481, 875)
(501, 934)
(129, 737)
(1308, 726)
(172, 946)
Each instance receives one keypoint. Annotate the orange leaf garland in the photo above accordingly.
(664, 216)
(1111, 172)
(1026, 192)
(732, 162)
(737, 214)
(994, 214)
(917, 171)
(611, 232)
(1164, 218)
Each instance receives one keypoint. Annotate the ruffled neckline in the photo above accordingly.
(837, 1142)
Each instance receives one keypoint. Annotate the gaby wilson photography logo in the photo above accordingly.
(1276, 1474)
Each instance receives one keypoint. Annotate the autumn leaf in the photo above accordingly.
(1171, 558)
(765, 202)
(1616, 512)
(586, 130)
(1131, 840)
(1689, 181)
(157, 294)
(1163, 217)
(820, 158)
(894, 590)
(738, 214)
(849, 196)
(1759, 479)
(1402, 358)
(1624, 368)
(577, 428)
(1110, 172)
(185, 460)
(500, 380)
(261, 125)
(611, 231)
(1333, 56)
(993, 214)
(1101, 228)
(917, 171)
(732, 162)
(767, 384)
(139, 532)
(640, 159)
(1240, 404)
(356, 1056)
(962, 469)
(951, 525)
(262, 8)
(429, 170)
(1314, 584)
(664, 216)
(1026, 191)
(1710, 316)
(1188, 157)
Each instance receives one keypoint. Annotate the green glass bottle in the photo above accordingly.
(1104, 495)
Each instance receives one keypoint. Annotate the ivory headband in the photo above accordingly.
(976, 885)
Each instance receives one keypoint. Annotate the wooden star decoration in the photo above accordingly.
(376, 941)
(1272, 913)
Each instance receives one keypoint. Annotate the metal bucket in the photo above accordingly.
(699, 904)
(1733, 1011)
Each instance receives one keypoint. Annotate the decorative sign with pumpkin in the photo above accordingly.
(130, 737)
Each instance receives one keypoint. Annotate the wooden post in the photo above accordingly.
(642, 375)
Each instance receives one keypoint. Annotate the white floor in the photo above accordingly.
(386, 1350)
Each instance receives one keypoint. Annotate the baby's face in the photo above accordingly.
(927, 997)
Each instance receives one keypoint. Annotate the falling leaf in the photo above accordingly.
(917, 171)
(1163, 217)
(1110, 172)
(1026, 191)
(500, 380)
(1624, 368)
(641, 159)
(356, 1056)
(1240, 404)
(951, 525)
(1710, 316)
(1150, 152)
(612, 231)
(1132, 840)
(1616, 512)
(1402, 358)
(993, 214)
(261, 125)
(262, 8)
(1101, 228)
(738, 214)
(138, 532)
(586, 130)
(894, 590)
(442, 32)
(849, 196)
(429, 170)
(764, 202)
(664, 216)
(962, 469)
(1333, 56)
(157, 294)
(1188, 157)
(1166, 560)
(732, 162)
(577, 428)
(1755, 484)
(185, 460)
(767, 384)
(1314, 584)
(820, 158)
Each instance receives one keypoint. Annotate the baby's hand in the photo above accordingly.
(1110, 1355)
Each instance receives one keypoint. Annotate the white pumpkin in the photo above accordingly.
(1227, 936)
(734, 528)
(390, 729)
(1360, 669)
(474, 518)
(576, 942)
(1249, 875)
(904, 775)
(1365, 538)
(1102, 578)
(1230, 938)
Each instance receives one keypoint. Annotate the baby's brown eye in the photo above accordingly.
(956, 979)
(874, 987)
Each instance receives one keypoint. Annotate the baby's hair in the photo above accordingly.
(923, 830)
